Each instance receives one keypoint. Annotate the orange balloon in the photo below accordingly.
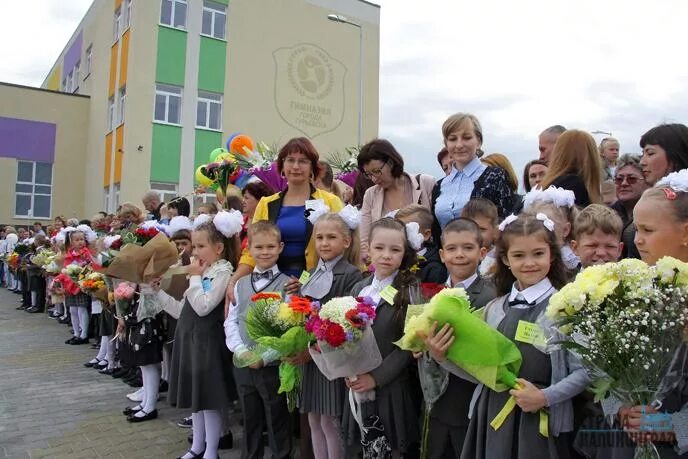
(238, 143)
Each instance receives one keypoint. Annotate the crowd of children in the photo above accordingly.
(183, 342)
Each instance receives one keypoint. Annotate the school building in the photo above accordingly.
(145, 89)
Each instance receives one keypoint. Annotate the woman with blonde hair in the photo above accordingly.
(575, 165)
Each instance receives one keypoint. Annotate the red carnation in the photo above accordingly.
(430, 289)
(335, 336)
(116, 245)
(353, 318)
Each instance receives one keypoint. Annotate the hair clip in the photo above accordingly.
(549, 224)
(507, 221)
(670, 194)
(413, 235)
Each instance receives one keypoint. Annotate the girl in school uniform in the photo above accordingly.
(200, 368)
(389, 288)
(529, 271)
(336, 242)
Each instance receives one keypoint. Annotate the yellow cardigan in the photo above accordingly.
(262, 213)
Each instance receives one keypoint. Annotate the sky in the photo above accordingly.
(614, 66)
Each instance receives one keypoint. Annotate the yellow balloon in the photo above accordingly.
(202, 179)
(221, 157)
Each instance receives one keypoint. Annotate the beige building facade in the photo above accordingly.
(170, 80)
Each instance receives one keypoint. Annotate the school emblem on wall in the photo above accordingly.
(309, 89)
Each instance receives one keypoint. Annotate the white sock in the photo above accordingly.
(213, 432)
(110, 353)
(34, 297)
(74, 312)
(102, 352)
(151, 383)
(83, 321)
(198, 429)
(165, 374)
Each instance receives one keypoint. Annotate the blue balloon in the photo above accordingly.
(231, 137)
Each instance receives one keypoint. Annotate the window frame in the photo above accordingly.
(111, 114)
(117, 25)
(166, 190)
(214, 9)
(33, 192)
(173, 14)
(89, 60)
(206, 97)
(126, 15)
(161, 89)
(121, 104)
(75, 77)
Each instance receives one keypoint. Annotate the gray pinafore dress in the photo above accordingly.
(201, 364)
(519, 436)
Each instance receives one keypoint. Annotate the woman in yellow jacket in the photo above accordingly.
(297, 161)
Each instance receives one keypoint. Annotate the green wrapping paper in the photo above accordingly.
(478, 349)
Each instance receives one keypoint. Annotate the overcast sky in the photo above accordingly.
(613, 65)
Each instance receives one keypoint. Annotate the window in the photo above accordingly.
(116, 24)
(127, 15)
(116, 188)
(33, 190)
(204, 198)
(64, 84)
(214, 20)
(68, 83)
(167, 191)
(122, 100)
(106, 200)
(75, 77)
(111, 113)
(168, 103)
(173, 13)
(89, 60)
(209, 111)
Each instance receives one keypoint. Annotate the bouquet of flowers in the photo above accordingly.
(625, 321)
(93, 283)
(347, 165)
(278, 325)
(13, 261)
(69, 279)
(123, 294)
(43, 258)
(262, 164)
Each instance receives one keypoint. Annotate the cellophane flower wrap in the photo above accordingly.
(347, 346)
(278, 325)
(69, 279)
(478, 349)
(93, 283)
(625, 321)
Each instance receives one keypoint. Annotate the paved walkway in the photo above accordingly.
(52, 406)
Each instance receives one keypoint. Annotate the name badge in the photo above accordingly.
(388, 294)
(305, 277)
(656, 422)
(530, 333)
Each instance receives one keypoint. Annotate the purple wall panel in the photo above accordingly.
(30, 140)
(73, 54)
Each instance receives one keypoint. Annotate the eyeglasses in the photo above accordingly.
(630, 179)
(375, 172)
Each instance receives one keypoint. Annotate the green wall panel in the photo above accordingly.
(165, 154)
(211, 71)
(171, 59)
(224, 2)
(206, 141)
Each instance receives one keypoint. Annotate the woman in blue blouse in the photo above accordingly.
(469, 178)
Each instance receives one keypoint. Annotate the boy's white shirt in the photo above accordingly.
(202, 302)
(464, 283)
(232, 336)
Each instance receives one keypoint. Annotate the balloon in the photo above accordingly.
(239, 142)
(229, 141)
(202, 179)
(215, 153)
(222, 156)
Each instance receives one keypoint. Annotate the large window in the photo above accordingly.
(111, 114)
(205, 198)
(167, 191)
(89, 60)
(214, 20)
(209, 111)
(75, 77)
(116, 24)
(168, 103)
(173, 13)
(120, 105)
(70, 81)
(33, 190)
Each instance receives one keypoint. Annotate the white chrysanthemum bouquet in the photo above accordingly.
(625, 321)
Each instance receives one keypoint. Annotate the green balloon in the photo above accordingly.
(215, 153)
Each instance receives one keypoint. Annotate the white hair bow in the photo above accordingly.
(351, 216)
(677, 181)
(507, 221)
(201, 219)
(229, 223)
(61, 237)
(179, 223)
(549, 224)
(557, 196)
(89, 234)
(413, 235)
(315, 208)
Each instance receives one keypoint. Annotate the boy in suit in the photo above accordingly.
(258, 383)
(462, 251)
(431, 268)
